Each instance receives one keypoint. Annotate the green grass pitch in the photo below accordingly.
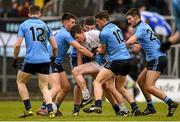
(9, 111)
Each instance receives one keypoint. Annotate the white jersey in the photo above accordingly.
(92, 39)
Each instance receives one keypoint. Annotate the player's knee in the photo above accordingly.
(107, 87)
(75, 72)
(95, 83)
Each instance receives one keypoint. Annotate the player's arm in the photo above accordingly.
(79, 58)
(54, 46)
(17, 47)
(131, 40)
(174, 38)
(82, 49)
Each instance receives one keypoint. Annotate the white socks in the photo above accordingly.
(85, 94)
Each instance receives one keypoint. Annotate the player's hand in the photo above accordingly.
(15, 63)
(165, 46)
(94, 51)
(52, 58)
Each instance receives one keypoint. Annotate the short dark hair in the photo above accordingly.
(133, 12)
(34, 9)
(75, 29)
(67, 16)
(102, 15)
(89, 21)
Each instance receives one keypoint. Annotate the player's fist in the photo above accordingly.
(165, 46)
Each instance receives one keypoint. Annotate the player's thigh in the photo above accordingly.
(23, 77)
(43, 80)
(54, 80)
(103, 76)
(87, 68)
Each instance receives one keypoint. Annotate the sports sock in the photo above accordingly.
(43, 106)
(49, 107)
(76, 107)
(134, 106)
(168, 101)
(98, 103)
(57, 106)
(85, 94)
(149, 103)
(116, 108)
(27, 104)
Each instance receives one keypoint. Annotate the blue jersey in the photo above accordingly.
(149, 42)
(176, 12)
(112, 37)
(36, 34)
(63, 38)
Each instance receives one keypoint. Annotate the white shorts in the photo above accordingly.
(96, 65)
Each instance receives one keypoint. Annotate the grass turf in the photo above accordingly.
(11, 109)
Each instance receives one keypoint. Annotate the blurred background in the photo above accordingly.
(157, 13)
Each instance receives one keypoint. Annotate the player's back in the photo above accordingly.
(149, 42)
(112, 37)
(36, 34)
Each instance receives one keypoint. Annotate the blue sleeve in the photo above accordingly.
(21, 31)
(69, 38)
(103, 38)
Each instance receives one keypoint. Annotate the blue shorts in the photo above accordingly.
(157, 64)
(119, 67)
(56, 68)
(42, 68)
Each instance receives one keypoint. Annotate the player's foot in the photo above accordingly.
(93, 108)
(58, 113)
(88, 110)
(84, 102)
(136, 112)
(26, 114)
(149, 110)
(172, 109)
(76, 111)
(122, 113)
(42, 112)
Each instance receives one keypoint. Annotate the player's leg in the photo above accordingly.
(119, 107)
(151, 79)
(22, 78)
(43, 85)
(54, 82)
(103, 76)
(77, 100)
(155, 68)
(65, 87)
(141, 82)
(120, 81)
(78, 73)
